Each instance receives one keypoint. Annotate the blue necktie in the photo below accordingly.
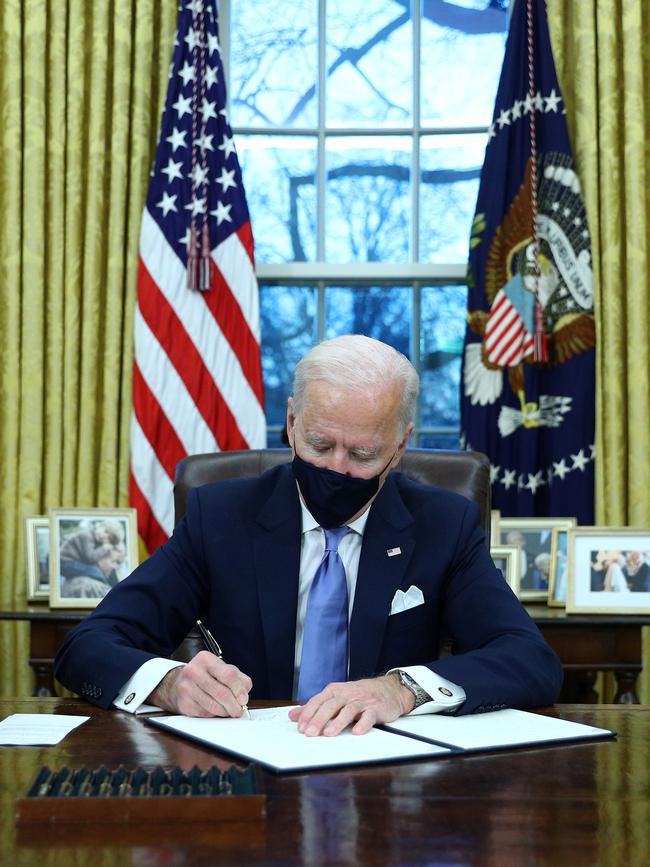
(325, 642)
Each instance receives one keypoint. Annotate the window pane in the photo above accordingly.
(462, 45)
(450, 166)
(381, 312)
(279, 178)
(369, 63)
(368, 199)
(439, 441)
(288, 319)
(274, 439)
(273, 63)
(442, 331)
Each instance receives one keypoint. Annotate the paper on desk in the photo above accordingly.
(37, 729)
(271, 738)
(495, 730)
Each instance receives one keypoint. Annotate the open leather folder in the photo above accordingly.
(271, 739)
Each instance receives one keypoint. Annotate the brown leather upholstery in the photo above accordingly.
(466, 473)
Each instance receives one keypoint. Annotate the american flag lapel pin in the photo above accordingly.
(394, 552)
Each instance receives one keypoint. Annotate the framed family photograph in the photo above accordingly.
(533, 537)
(91, 550)
(37, 551)
(557, 583)
(506, 558)
(609, 571)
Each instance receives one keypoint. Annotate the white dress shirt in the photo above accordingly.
(312, 547)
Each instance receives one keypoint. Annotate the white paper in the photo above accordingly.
(500, 728)
(271, 738)
(37, 729)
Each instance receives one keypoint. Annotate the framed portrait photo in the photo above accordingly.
(91, 550)
(506, 558)
(609, 571)
(558, 578)
(37, 551)
(533, 537)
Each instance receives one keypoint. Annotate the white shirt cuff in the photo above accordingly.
(446, 696)
(141, 684)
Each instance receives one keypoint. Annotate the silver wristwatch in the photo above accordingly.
(421, 695)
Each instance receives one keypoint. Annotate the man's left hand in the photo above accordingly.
(363, 702)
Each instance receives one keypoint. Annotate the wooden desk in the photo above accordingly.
(586, 804)
(585, 643)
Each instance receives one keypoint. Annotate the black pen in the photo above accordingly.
(211, 644)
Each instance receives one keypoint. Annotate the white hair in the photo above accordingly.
(357, 362)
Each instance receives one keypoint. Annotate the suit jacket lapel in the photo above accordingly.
(390, 525)
(277, 565)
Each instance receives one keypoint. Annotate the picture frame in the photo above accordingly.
(609, 571)
(533, 536)
(37, 555)
(558, 578)
(91, 550)
(506, 559)
(495, 519)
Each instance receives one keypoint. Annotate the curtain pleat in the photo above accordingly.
(82, 84)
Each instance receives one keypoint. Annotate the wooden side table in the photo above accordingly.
(585, 643)
(589, 643)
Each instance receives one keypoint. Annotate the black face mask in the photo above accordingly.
(331, 497)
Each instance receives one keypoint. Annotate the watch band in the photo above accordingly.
(421, 695)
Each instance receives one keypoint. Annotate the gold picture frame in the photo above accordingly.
(37, 533)
(609, 571)
(495, 520)
(533, 536)
(91, 550)
(558, 578)
(506, 559)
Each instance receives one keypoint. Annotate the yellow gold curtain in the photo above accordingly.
(82, 83)
(602, 53)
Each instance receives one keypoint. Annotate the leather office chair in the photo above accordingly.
(466, 473)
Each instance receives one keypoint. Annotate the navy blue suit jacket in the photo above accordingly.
(234, 561)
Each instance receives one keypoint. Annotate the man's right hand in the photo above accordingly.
(207, 686)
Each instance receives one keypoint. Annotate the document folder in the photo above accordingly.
(271, 739)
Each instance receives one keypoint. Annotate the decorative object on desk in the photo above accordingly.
(157, 795)
(533, 536)
(609, 571)
(557, 582)
(91, 550)
(37, 541)
(506, 559)
(495, 520)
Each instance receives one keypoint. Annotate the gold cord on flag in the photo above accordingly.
(540, 352)
(198, 254)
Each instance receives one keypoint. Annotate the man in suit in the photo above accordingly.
(250, 559)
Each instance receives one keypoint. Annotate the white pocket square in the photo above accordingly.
(403, 601)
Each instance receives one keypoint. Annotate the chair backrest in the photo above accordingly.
(466, 473)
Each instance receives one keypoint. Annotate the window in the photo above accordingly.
(361, 127)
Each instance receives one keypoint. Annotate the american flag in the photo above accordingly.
(197, 380)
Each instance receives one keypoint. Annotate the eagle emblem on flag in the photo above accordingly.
(563, 287)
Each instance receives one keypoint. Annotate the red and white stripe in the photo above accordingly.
(507, 341)
(197, 383)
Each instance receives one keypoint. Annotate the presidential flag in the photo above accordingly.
(528, 368)
(197, 382)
